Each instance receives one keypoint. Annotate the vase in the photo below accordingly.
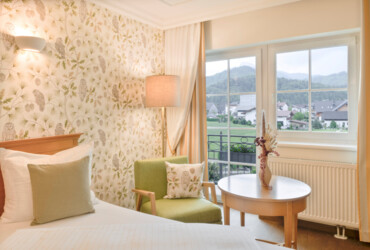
(265, 172)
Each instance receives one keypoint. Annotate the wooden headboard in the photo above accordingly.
(44, 145)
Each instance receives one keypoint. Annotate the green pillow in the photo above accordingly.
(60, 190)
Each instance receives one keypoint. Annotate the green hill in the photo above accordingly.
(242, 79)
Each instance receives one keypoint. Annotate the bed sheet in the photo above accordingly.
(105, 215)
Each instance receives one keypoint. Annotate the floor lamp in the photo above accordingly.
(162, 91)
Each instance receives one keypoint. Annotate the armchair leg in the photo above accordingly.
(150, 195)
(211, 186)
(138, 202)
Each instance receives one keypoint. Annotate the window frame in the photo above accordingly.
(308, 44)
(230, 55)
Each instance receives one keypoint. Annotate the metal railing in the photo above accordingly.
(242, 150)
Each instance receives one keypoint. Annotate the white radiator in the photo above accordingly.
(333, 199)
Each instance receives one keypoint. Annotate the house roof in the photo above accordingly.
(335, 116)
(280, 104)
(323, 106)
(209, 105)
(299, 122)
(283, 113)
(340, 105)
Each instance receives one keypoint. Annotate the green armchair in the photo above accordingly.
(151, 187)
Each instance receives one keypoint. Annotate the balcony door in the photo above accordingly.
(233, 89)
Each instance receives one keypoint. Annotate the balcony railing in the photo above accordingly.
(242, 150)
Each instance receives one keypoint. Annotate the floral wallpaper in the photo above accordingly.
(89, 79)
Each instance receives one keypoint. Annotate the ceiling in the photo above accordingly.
(165, 14)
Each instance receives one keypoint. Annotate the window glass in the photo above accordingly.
(292, 112)
(292, 70)
(216, 77)
(330, 68)
(243, 111)
(231, 116)
(317, 103)
(330, 111)
(243, 75)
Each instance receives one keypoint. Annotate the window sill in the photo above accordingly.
(337, 147)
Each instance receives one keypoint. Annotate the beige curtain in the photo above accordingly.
(181, 58)
(194, 140)
(363, 152)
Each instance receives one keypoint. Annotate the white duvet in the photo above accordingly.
(113, 227)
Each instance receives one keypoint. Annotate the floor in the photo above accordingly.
(273, 230)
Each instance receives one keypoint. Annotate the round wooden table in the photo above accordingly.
(245, 194)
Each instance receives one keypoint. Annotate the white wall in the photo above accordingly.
(302, 18)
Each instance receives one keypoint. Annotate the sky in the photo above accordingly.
(325, 61)
(219, 66)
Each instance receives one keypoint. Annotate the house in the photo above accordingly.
(324, 106)
(339, 117)
(91, 74)
(283, 118)
(298, 125)
(282, 106)
(342, 106)
(300, 108)
(212, 110)
(247, 108)
(233, 108)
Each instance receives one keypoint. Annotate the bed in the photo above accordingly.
(111, 226)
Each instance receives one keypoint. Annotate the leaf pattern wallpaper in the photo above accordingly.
(89, 79)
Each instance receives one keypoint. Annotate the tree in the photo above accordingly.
(222, 118)
(298, 116)
(279, 125)
(243, 122)
(316, 124)
(333, 124)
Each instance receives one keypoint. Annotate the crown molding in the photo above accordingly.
(163, 23)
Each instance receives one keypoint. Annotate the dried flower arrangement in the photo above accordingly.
(268, 144)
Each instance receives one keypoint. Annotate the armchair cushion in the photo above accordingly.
(193, 210)
(151, 175)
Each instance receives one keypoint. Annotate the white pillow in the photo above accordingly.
(18, 191)
(184, 180)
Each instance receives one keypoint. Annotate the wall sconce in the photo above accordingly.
(30, 43)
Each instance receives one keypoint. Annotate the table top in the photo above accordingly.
(248, 186)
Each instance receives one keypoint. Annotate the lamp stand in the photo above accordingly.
(163, 127)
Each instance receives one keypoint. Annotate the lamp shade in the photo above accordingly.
(30, 43)
(162, 91)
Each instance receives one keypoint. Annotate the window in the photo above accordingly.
(314, 88)
(231, 116)
(311, 88)
(308, 89)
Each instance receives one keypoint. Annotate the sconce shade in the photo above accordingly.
(162, 91)
(30, 43)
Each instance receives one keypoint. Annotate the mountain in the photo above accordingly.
(220, 77)
(295, 76)
(337, 80)
(242, 79)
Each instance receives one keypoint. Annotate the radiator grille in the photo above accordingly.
(333, 199)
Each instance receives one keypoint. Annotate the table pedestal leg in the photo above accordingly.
(288, 225)
(242, 219)
(226, 211)
(295, 228)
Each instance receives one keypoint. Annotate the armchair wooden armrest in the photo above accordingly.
(211, 186)
(150, 195)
